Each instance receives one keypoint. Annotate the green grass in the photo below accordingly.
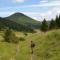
(47, 47)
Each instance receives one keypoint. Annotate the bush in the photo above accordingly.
(25, 34)
(9, 36)
(22, 39)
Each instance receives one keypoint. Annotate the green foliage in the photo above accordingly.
(2, 26)
(9, 36)
(58, 21)
(22, 39)
(44, 26)
(25, 34)
(52, 24)
(14, 25)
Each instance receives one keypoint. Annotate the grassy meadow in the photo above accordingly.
(47, 46)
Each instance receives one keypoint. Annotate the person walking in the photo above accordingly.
(32, 46)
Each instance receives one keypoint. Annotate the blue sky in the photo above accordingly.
(37, 9)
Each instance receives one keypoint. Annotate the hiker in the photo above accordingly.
(32, 46)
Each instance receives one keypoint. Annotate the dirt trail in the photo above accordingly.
(17, 51)
(31, 57)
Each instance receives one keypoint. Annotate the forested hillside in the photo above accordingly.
(20, 18)
(5, 23)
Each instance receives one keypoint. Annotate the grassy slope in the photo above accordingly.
(47, 47)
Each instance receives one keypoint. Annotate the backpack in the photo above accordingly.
(32, 45)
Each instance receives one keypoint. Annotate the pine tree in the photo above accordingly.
(57, 21)
(44, 26)
(52, 24)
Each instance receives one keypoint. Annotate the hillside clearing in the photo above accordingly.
(47, 47)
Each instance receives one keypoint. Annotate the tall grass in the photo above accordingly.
(47, 47)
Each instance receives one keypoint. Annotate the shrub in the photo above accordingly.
(22, 39)
(25, 34)
(9, 36)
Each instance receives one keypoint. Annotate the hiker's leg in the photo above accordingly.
(32, 50)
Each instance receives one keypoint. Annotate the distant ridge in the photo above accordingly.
(24, 20)
(19, 22)
(4, 24)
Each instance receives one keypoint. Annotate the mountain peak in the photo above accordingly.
(21, 18)
(17, 14)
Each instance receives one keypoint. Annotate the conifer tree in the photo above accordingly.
(52, 24)
(57, 21)
(44, 26)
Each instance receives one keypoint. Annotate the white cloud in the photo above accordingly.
(43, 1)
(48, 4)
(5, 13)
(37, 15)
(53, 3)
(47, 15)
(18, 1)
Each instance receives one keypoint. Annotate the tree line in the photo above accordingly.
(4, 23)
(49, 25)
(9, 35)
